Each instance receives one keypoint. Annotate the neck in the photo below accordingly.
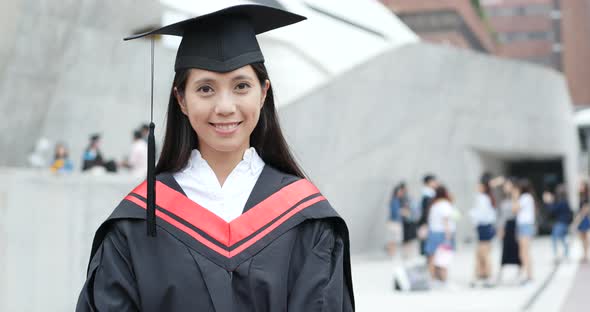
(222, 163)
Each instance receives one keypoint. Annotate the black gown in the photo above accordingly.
(288, 251)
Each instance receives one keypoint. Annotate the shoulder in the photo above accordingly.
(443, 205)
(526, 198)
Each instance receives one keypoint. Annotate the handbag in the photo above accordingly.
(443, 256)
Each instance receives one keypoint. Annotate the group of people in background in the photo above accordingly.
(94, 161)
(432, 223)
(504, 208)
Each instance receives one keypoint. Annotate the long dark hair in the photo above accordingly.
(267, 138)
(525, 186)
(486, 180)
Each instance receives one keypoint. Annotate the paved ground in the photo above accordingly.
(551, 289)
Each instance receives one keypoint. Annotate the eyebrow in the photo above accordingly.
(210, 80)
(203, 80)
(242, 77)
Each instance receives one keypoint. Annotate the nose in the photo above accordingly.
(225, 105)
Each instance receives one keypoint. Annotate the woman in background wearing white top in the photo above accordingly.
(523, 205)
(484, 216)
(441, 228)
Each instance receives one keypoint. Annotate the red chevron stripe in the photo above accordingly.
(275, 225)
(181, 227)
(237, 230)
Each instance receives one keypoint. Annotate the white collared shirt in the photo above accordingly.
(200, 184)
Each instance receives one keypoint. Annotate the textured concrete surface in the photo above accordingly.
(46, 227)
(423, 108)
(66, 73)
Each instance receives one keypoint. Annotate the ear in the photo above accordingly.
(265, 88)
(180, 100)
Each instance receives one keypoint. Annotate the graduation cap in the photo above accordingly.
(221, 41)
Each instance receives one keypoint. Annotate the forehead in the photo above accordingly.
(198, 74)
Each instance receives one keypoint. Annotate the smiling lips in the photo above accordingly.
(225, 128)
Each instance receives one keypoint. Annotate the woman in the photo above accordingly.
(484, 217)
(61, 160)
(582, 219)
(441, 230)
(237, 226)
(559, 209)
(523, 205)
(401, 209)
(507, 228)
(394, 226)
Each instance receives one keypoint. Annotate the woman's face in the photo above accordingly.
(480, 188)
(223, 108)
(61, 151)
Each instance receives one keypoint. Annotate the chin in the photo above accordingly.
(227, 147)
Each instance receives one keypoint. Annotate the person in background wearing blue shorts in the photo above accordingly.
(523, 205)
(484, 217)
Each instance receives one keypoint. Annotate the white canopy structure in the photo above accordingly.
(337, 36)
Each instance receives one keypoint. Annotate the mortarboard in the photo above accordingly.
(220, 41)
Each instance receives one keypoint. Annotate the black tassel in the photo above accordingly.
(151, 184)
(151, 174)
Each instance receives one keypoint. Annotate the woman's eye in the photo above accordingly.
(242, 86)
(205, 89)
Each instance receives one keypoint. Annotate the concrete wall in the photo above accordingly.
(65, 73)
(47, 223)
(424, 108)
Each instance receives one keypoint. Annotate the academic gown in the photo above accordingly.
(288, 251)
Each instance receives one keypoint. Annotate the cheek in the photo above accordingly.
(252, 108)
(196, 109)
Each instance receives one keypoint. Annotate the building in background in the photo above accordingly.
(551, 33)
(575, 30)
(451, 22)
(527, 30)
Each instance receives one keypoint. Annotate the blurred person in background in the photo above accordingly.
(136, 162)
(401, 208)
(559, 208)
(523, 205)
(93, 159)
(394, 225)
(441, 230)
(507, 227)
(582, 220)
(145, 131)
(61, 161)
(428, 193)
(484, 216)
